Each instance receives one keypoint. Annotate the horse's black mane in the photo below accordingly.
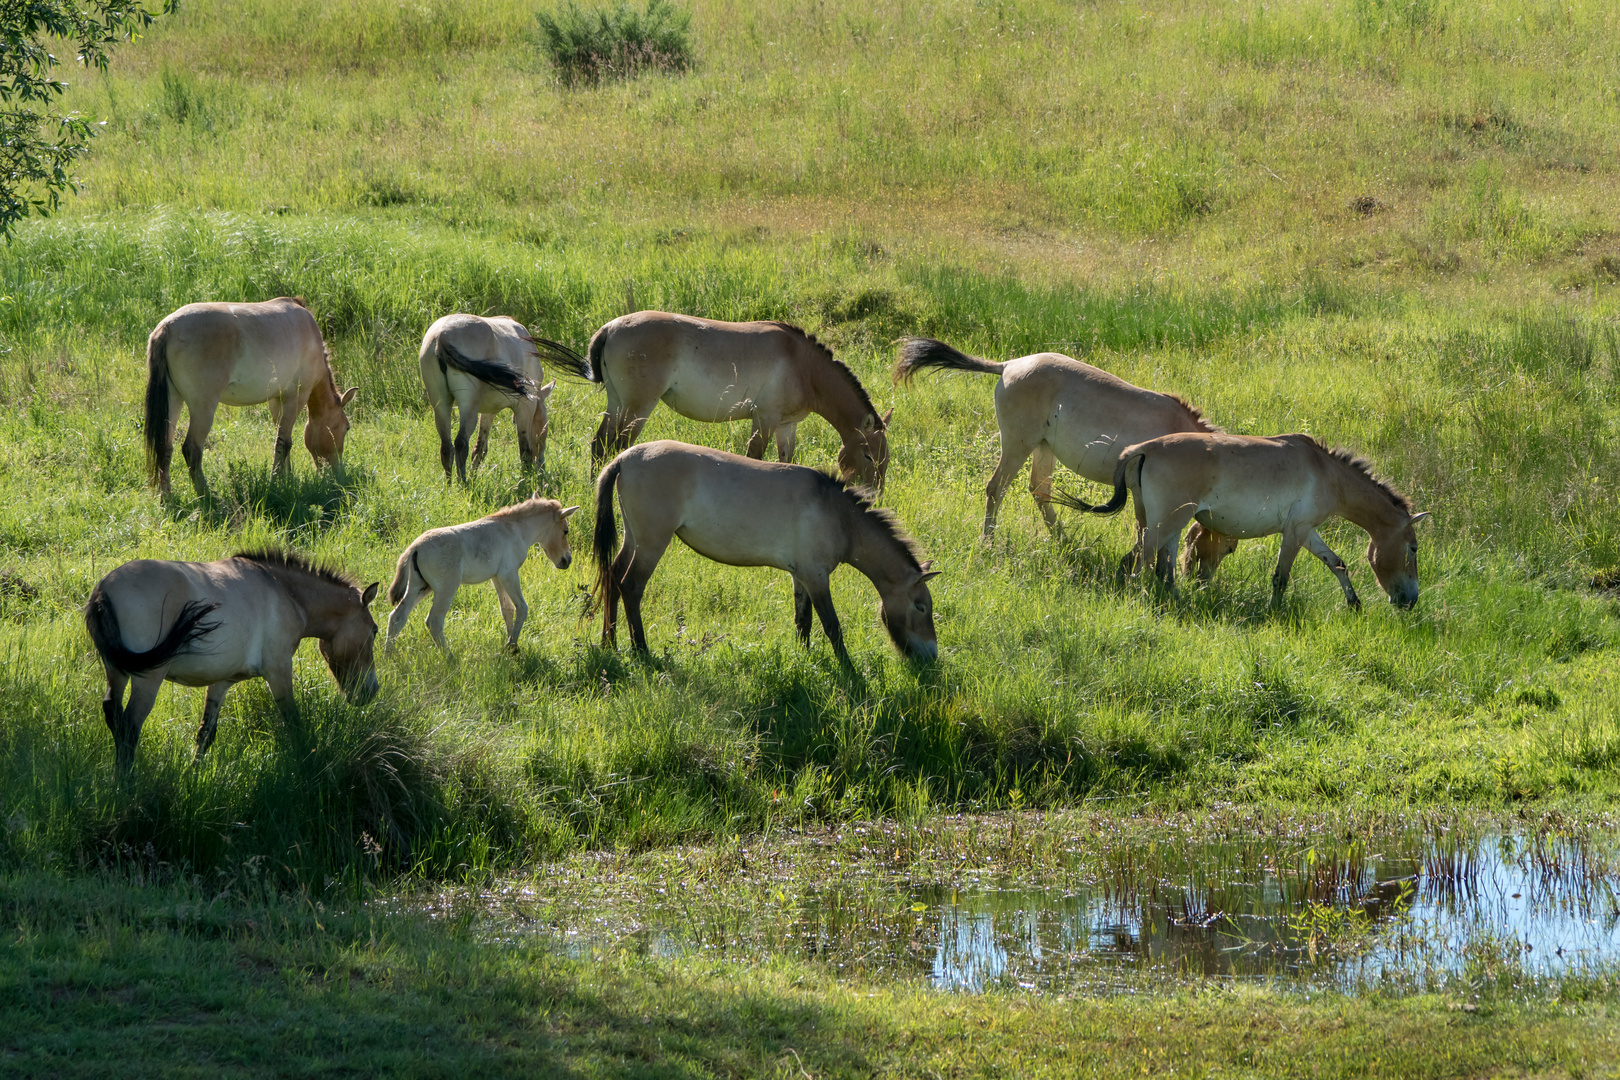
(279, 559)
(838, 366)
(1364, 467)
(1198, 415)
(864, 500)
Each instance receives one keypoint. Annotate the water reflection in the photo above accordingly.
(1344, 916)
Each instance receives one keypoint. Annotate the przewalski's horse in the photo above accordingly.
(240, 354)
(742, 512)
(768, 372)
(1245, 487)
(1059, 409)
(481, 366)
(440, 561)
(215, 624)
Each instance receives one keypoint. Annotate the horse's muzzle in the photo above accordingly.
(924, 650)
(566, 561)
(365, 690)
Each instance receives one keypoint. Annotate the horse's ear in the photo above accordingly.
(929, 574)
(1415, 518)
(569, 510)
(884, 424)
(545, 391)
(925, 565)
(370, 594)
(348, 395)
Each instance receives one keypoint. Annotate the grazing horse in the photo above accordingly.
(1060, 409)
(440, 561)
(240, 354)
(215, 624)
(768, 372)
(481, 366)
(742, 512)
(1245, 486)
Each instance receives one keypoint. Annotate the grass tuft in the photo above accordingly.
(587, 46)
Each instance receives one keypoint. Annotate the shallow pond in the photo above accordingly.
(1408, 913)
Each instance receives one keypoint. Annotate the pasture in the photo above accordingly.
(1392, 226)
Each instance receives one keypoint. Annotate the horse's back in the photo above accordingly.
(705, 369)
(480, 338)
(1244, 485)
(730, 508)
(242, 352)
(1084, 413)
(148, 594)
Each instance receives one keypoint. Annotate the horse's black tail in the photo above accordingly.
(595, 350)
(402, 577)
(560, 355)
(602, 541)
(493, 372)
(1122, 490)
(102, 622)
(157, 398)
(920, 352)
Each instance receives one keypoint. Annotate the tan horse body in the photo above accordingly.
(1058, 409)
(481, 366)
(768, 372)
(216, 624)
(742, 512)
(1244, 486)
(492, 548)
(205, 355)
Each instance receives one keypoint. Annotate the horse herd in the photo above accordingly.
(215, 624)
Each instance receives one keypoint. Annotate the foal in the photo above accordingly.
(440, 561)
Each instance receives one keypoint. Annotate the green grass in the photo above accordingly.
(1390, 225)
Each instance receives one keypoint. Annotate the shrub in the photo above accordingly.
(589, 45)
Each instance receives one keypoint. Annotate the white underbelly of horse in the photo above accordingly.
(713, 401)
(740, 547)
(218, 665)
(1244, 522)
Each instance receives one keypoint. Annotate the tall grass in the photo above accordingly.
(587, 45)
(1185, 194)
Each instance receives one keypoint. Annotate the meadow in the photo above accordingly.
(1391, 225)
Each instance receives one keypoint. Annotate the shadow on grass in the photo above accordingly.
(299, 503)
(368, 993)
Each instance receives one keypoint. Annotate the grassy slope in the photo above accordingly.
(1169, 189)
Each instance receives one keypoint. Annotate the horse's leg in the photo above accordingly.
(1318, 547)
(523, 421)
(469, 420)
(763, 433)
(801, 612)
(633, 578)
(486, 421)
(278, 676)
(442, 599)
(416, 587)
(202, 421)
(821, 599)
(1160, 541)
(1286, 554)
(210, 720)
(513, 608)
(538, 429)
(284, 418)
(441, 421)
(142, 696)
(165, 455)
(1012, 459)
(1041, 466)
(787, 439)
(112, 705)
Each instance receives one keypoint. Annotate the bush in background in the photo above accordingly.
(587, 45)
